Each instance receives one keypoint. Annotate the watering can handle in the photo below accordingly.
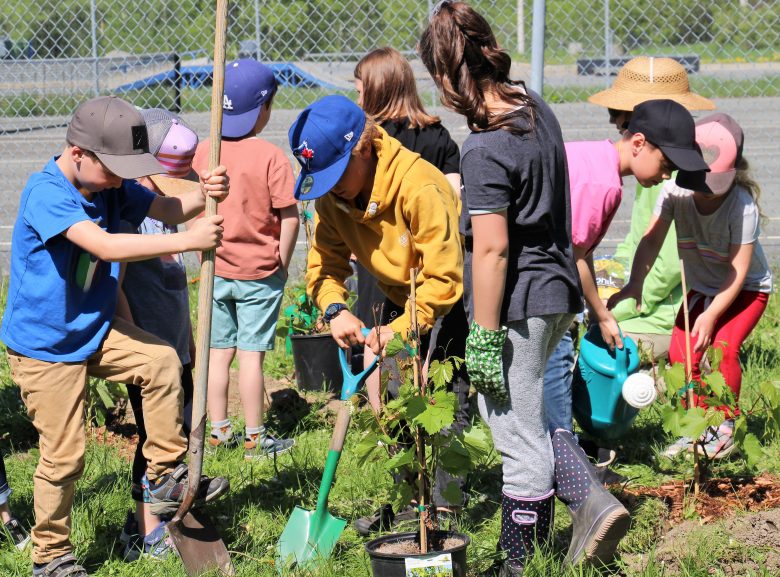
(621, 360)
(350, 382)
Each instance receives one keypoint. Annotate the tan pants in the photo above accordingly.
(653, 345)
(54, 394)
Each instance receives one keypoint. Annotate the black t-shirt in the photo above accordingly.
(433, 143)
(525, 174)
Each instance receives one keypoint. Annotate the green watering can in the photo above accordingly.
(313, 534)
(603, 383)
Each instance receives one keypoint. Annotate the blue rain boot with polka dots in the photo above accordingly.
(525, 522)
(599, 520)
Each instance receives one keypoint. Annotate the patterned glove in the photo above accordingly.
(484, 363)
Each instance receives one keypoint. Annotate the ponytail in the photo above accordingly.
(463, 57)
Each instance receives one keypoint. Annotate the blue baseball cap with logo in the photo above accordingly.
(248, 85)
(322, 139)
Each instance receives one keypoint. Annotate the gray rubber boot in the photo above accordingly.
(599, 520)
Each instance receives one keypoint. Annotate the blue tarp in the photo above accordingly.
(286, 74)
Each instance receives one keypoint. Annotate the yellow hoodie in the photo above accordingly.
(411, 221)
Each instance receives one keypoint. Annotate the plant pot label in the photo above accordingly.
(425, 566)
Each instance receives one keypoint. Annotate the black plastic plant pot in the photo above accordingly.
(394, 564)
(316, 359)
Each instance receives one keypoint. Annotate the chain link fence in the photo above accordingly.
(54, 55)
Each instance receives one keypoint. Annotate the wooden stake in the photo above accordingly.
(689, 377)
(419, 386)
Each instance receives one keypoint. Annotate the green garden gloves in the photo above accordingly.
(484, 364)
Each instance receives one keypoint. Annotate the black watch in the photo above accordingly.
(333, 311)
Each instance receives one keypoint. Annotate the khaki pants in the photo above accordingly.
(652, 344)
(54, 394)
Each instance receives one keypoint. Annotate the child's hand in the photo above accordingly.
(345, 328)
(630, 291)
(702, 331)
(215, 184)
(377, 344)
(205, 233)
(610, 332)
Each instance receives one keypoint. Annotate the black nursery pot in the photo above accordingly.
(316, 359)
(393, 564)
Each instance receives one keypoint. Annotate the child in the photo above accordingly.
(59, 323)
(154, 297)
(11, 526)
(387, 93)
(391, 209)
(729, 280)
(647, 78)
(522, 284)
(261, 227)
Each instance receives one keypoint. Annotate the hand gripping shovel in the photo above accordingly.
(199, 545)
(313, 534)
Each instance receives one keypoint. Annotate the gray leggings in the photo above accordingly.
(519, 429)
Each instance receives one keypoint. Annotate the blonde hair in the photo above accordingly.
(366, 140)
(389, 88)
(744, 179)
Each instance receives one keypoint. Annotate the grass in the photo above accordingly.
(264, 492)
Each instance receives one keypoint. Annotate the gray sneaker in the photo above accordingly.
(267, 447)
(17, 533)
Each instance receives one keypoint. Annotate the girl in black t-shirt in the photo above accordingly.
(521, 285)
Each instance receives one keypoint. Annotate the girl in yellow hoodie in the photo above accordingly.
(394, 211)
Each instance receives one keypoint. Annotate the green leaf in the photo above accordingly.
(401, 459)
(671, 418)
(674, 378)
(433, 413)
(452, 493)
(401, 494)
(395, 345)
(771, 392)
(714, 356)
(477, 442)
(102, 390)
(693, 423)
(440, 373)
(455, 458)
(716, 383)
(751, 447)
(367, 447)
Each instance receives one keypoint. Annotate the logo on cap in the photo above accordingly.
(304, 154)
(349, 136)
(307, 183)
(140, 138)
(227, 104)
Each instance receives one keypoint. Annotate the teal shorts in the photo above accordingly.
(244, 312)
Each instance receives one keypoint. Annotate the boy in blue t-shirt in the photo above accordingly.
(59, 323)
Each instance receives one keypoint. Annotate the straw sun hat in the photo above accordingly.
(647, 78)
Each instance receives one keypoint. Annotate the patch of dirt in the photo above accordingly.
(123, 437)
(734, 556)
(718, 498)
(410, 547)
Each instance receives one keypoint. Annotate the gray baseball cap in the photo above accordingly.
(116, 132)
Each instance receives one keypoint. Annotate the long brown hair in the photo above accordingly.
(389, 89)
(744, 179)
(462, 55)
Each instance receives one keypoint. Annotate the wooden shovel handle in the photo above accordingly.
(206, 291)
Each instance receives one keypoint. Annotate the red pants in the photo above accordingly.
(730, 331)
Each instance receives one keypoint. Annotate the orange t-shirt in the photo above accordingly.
(261, 183)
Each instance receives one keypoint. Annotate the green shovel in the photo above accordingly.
(313, 534)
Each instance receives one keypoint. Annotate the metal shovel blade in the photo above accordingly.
(199, 545)
(306, 536)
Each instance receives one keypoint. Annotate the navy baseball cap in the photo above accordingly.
(322, 139)
(669, 126)
(248, 84)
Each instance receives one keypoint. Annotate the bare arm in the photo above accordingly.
(178, 209)
(289, 234)
(205, 234)
(489, 265)
(645, 256)
(607, 323)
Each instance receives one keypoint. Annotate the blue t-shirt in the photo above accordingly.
(61, 299)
